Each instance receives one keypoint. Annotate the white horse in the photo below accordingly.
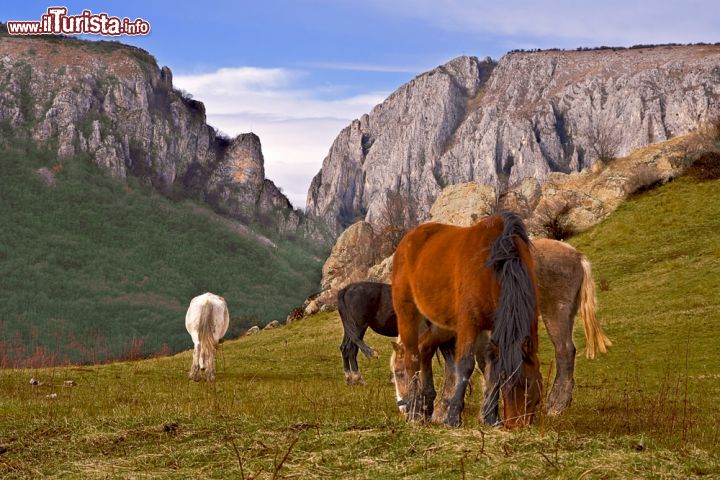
(206, 321)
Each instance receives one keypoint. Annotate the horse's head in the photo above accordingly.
(522, 392)
(400, 377)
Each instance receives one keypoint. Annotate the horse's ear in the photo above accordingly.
(399, 349)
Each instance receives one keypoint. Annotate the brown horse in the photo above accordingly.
(470, 280)
(566, 288)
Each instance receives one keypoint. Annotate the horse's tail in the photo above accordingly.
(206, 335)
(350, 326)
(594, 335)
(515, 319)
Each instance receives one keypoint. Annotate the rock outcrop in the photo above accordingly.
(354, 252)
(583, 199)
(528, 115)
(112, 103)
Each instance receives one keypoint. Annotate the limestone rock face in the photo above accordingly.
(586, 197)
(526, 116)
(463, 204)
(590, 197)
(113, 103)
(354, 252)
(382, 272)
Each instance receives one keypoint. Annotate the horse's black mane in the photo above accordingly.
(516, 308)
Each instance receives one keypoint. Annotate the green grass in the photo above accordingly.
(90, 264)
(647, 409)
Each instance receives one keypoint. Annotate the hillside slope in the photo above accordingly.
(280, 407)
(94, 268)
(113, 103)
(527, 115)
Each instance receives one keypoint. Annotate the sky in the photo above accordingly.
(296, 72)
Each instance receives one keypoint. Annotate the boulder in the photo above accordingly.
(326, 307)
(354, 252)
(295, 314)
(463, 204)
(382, 272)
(252, 330)
(312, 308)
(272, 325)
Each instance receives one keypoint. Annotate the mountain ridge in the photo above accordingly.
(115, 103)
(527, 115)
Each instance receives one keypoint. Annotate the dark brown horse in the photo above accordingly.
(470, 280)
(362, 305)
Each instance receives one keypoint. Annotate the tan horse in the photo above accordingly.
(206, 321)
(566, 288)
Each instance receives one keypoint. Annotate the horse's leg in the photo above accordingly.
(210, 365)
(428, 345)
(195, 368)
(408, 323)
(559, 319)
(448, 352)
(467, 336)
(349, 353)
(491, 404)
(490, 412)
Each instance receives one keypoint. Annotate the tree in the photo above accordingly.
(604, 140)
(398, 216)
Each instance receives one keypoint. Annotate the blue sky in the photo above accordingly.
(296, 72)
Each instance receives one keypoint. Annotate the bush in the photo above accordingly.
(397, 217)
(553, 219)
(706, 167)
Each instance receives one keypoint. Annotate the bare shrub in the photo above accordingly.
(398, 216)
(604, 141)
(553, 219)
(706, 167)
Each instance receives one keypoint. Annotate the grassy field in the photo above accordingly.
(92, 268)
(280, 408)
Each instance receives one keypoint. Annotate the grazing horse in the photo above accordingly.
(206, 321)
(566, 288)
(469, 280)
(362, 305)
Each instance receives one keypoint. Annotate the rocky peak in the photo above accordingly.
(112, 102)
(394, 146)
(529, 115)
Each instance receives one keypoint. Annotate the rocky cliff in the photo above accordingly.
(562, 205)
(112, 102)
(528, 115)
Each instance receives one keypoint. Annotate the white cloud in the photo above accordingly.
(296, 125)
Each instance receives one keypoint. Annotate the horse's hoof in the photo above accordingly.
(354, 379)
(557, 404)
(495, 423)
(453, 421)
